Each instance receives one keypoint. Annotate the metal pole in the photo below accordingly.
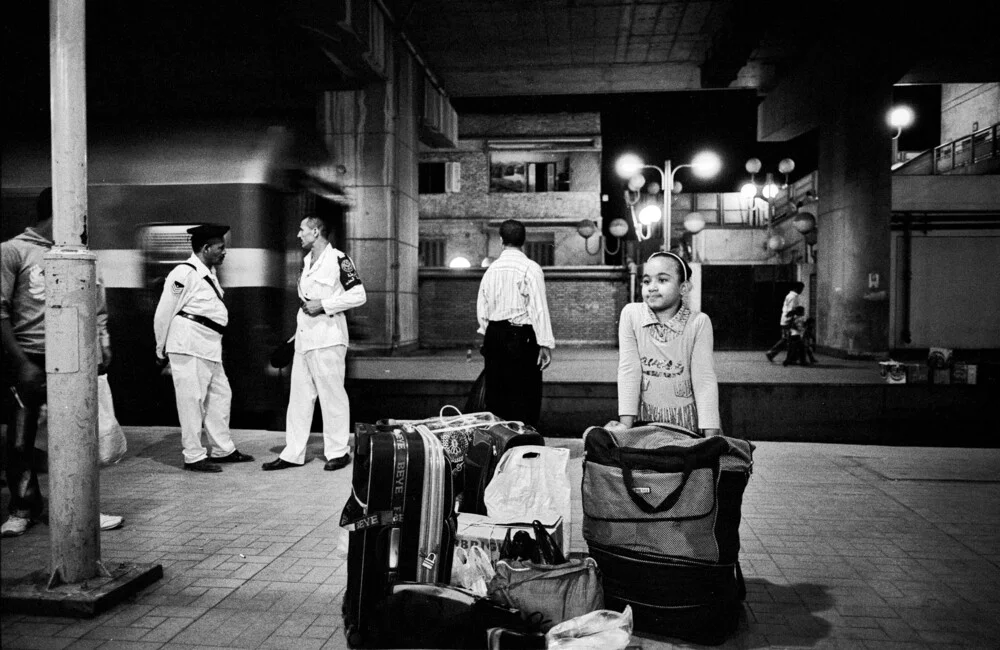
(70, 312)
(668, 189)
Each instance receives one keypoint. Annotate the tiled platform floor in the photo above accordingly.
(843, 546)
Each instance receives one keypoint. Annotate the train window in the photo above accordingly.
(163, 247)
(432, 252)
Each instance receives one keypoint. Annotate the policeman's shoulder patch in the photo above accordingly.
(176, 287)
(348, 273)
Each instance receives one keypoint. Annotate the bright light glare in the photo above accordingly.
(459, 263)
(901, 117)
(748, 191)
(650, 215)
(769, 191)
(706, 164)
(628, 165)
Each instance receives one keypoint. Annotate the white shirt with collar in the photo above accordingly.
(196, 291)
(334, 280)
(513, 289)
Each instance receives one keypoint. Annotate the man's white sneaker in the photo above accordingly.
(110, 522)
(14, 526)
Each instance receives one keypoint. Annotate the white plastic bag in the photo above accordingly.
(111, 441)
(530, 482)
(472, 570)
(603, 629)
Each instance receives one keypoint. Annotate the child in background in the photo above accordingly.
(809, 340)
(665, 369)
(796, 330)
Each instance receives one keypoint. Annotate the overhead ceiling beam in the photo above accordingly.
(732, 44)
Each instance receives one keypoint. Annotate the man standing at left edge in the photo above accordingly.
(189, 323)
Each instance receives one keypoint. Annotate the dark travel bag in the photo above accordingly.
(486, 445)
(401, 518)
(662, 509)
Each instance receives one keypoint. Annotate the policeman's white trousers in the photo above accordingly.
(318, 373)
(203, 401)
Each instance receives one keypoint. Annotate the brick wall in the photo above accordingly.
(584, 305)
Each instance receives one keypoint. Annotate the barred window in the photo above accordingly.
(431, 252)
(541, 249)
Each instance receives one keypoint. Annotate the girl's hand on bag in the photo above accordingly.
(615, 425)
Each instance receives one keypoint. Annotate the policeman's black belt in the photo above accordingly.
(201, 320)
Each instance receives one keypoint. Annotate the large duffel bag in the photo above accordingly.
(662, 509)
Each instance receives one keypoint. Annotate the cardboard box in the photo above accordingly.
(917, 373)
(964, 373)
(480, 530)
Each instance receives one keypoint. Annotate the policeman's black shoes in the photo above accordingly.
(278, 463)
(203, 465)
(337, 463)
(235, 457)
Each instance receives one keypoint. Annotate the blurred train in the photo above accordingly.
(147, 185)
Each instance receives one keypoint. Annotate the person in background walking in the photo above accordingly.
(190, 320)
(796, 342)
(22, 318)
(791, 302)
(328, 287)
(513, 317)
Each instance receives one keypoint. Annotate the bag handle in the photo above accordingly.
(671, 499)
(548, 549)
(448, 406)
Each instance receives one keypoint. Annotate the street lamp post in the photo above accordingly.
(899, 118)
(704, 165)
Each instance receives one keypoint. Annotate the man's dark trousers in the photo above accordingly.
(513, 380)
(22, 476)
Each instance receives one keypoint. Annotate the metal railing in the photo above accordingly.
(969, 150)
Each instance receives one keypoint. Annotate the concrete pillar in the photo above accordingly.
(855, 188)
(70, 313)
(372, 132)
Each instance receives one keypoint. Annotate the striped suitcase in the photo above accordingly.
(401, 518)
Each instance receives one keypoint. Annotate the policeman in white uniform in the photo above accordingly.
(190, 320)
(328, 287)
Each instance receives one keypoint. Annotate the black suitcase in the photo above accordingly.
(401, 518)
(486, 446)
(662, 509)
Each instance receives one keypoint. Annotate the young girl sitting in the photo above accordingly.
(665, 370)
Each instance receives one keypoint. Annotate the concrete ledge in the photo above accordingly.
(902, 414)
(31, 595)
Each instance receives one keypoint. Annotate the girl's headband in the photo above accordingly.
(685, 269)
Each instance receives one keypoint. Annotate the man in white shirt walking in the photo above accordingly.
(189, 323)
(328, 287)
(791, 302)
(514, 318)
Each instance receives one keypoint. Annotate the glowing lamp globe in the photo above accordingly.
(753, 165)
(748, 191)
(804, 222)
(654, 188)
(706, 164)
(769, 191)
(900, 117)
(775, 243)
(649, 215)
(786, 166)
(628, 165)
(694, 223)
(459, 263)
(618, 227)
(636, 182)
